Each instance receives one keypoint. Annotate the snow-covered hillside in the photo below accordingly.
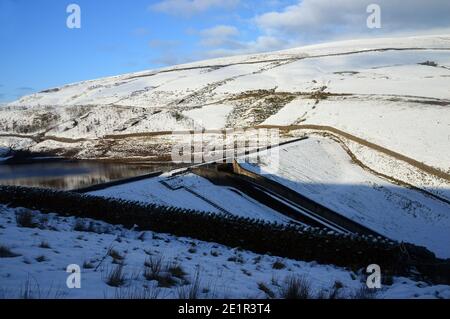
(321, 170)
(392, 92)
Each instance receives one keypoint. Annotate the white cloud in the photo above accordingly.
(221, 31)
(221, 35)
(322, 19)
(309, 21)
(224, 40)
(191, 7)
(236, 47)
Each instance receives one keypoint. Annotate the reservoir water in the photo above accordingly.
(69, 175)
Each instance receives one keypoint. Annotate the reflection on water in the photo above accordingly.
(73, 175)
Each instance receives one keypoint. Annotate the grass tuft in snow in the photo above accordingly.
(79, 225)
(88, 265)
(166, 281)
(116, 277)
(154, 264)
(296, 287)
(334, 293)
(429, 63)
(364, 293)
(191, 291)
(115, 255)
(263, 287)
(5, 252)
(278, 265)
(137, 293)
(237, 259)
(41, 258)
(25, 218)
(154, 269)
(177, 271)
(44, 245)
(32, 290)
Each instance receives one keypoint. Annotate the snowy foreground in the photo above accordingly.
(33, 264)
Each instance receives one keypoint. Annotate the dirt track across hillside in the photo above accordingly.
(426, 168)
(322, 128)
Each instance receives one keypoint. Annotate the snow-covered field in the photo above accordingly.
(320, 169)
(36, 267)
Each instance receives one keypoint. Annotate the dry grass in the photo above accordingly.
(5, 252)
(263, 287)
(296, 287)
(25, 218)
(116, 277)
(44, 245)
(115, 255)
(154, 264)
(137, 293)
(41, 258)
(364, 293)
(165, 275)
(192, 291)
(278, 265)
(88, 265)
(177, 271)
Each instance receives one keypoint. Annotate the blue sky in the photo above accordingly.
(38, 51)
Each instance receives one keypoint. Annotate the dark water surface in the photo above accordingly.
(65, 175)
